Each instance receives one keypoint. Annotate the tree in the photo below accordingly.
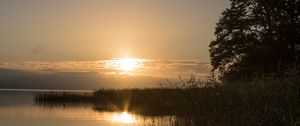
(256, 36)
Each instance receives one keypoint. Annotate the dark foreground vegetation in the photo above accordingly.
(257, 36)
(262, 101)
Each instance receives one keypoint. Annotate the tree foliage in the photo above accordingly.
(257, 36)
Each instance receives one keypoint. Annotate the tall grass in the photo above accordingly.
(265, 100)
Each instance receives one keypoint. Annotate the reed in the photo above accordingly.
(266, 100)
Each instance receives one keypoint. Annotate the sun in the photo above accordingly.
(125, 64)
(128, 64)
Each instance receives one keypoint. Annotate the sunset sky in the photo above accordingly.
(171, 36)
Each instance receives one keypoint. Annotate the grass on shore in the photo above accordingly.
(261, 101)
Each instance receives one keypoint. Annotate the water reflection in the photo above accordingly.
(139, 114)
(114, 117)
(19, 109)
(124, 117)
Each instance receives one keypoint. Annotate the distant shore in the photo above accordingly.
(44, 90)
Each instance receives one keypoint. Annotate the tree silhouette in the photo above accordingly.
(254, 36)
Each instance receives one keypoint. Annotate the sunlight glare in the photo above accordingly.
(128, 64)
(125, 64)
(124, 117)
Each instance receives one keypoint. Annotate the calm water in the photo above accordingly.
(17, 108)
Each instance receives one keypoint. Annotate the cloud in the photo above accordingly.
(94, 74)
(25, 79)
(157, 68)
(173, 68)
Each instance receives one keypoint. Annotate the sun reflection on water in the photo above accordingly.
(124, 117)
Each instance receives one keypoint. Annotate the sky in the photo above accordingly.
(77, 31)
(102, 29)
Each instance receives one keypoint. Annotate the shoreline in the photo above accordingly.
(45, 90)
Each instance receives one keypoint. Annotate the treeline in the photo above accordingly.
(257, 37)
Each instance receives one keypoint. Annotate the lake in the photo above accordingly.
(17, 108)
